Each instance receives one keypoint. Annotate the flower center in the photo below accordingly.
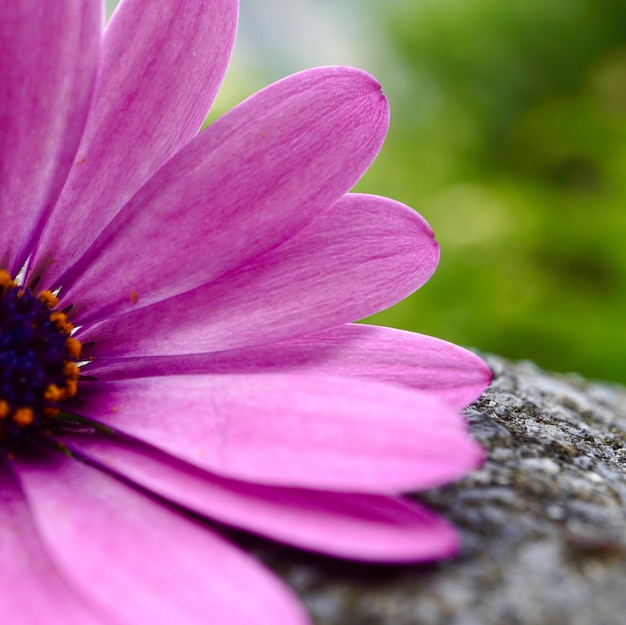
(38, 358)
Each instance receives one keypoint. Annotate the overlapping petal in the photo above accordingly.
(294, 430)
(48, 62)
(162, 64)
(333, 271)
(362, 527)
(451, 373)
(245, 185)
(132, 557)
(33, 591)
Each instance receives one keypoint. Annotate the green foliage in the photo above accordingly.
(509, 136)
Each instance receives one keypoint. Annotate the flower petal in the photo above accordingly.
(163, 63)
(360, 256)
(33, 592)
(293, 430)
(48, 62)
(453, 374)
(141, 561)
(245, 185)
(362, 527)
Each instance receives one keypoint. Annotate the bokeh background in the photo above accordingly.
(509, 135)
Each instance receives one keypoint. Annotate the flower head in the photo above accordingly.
(175, 327)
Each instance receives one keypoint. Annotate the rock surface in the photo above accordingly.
(543, 522)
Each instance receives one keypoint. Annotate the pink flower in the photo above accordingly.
(179, 339)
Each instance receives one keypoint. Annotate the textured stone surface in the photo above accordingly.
(543, 522)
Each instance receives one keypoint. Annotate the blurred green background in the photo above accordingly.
(509, 135)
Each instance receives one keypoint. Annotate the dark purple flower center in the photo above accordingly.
(38, 358)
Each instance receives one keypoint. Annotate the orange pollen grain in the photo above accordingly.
(59, 319)
(23, 416)
(71, 370)
(48, 299)
(54, 393)
(5, 409)
(6, 281)
(73, 347)
(71, 388)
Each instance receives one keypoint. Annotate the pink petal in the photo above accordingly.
(48, 61)
(362, 527)
(141, 561)
(33, 592)
(162, 65)
(245, 185)
(362, 255)
(453, 374)
(293, 430)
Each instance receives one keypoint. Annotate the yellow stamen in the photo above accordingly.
(71, 388)
(73, 347)
(23, 416)
(59, 319)
(48, 299)
(5, 280)
(54, 394)
(71, 370)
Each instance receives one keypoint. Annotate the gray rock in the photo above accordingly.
(543, 522)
